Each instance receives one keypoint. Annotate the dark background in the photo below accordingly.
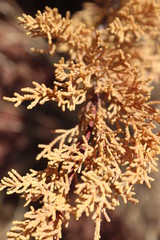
(30, 7)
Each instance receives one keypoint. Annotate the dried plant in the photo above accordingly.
(113, 146)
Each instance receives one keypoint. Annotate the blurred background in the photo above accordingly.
(22, 130)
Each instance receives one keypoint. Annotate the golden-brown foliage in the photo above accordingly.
(113, 146)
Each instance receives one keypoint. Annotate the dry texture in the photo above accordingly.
(113, 146)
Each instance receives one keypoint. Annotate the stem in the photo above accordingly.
(97, 228)
(92, 104)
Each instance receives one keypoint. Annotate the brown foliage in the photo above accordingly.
(113, 147)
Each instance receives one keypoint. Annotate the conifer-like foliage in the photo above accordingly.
(113, 147)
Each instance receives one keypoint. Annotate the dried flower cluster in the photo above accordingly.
(113, 146)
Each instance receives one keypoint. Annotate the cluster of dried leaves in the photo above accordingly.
(113, 146)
